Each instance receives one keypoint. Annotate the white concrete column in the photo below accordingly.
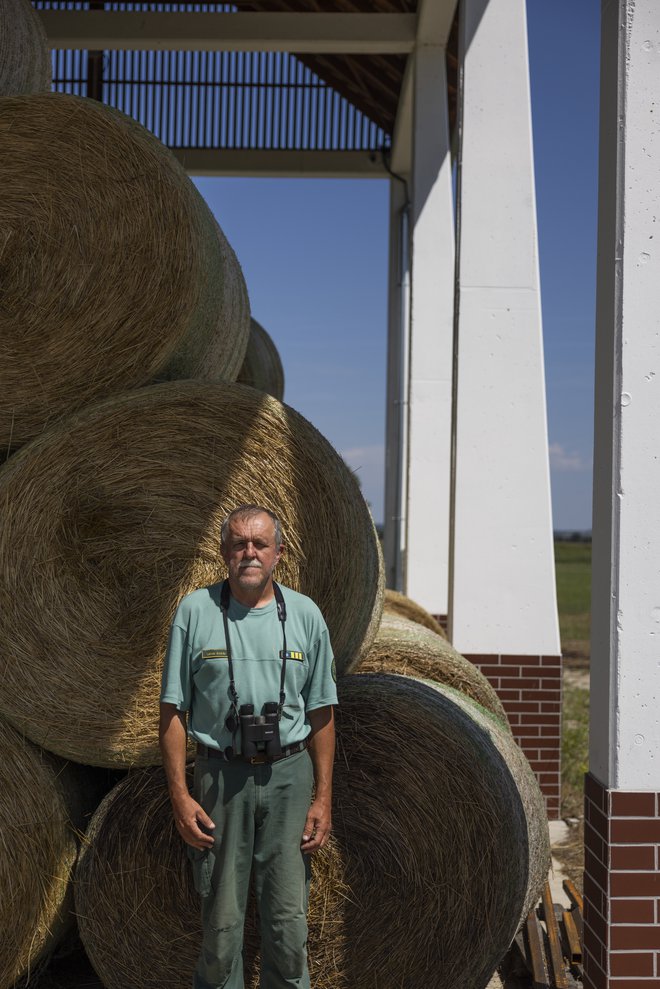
(625, 651)
(396, 421)
(431, 336)
(503, 582)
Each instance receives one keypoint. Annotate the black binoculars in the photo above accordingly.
(260, 733)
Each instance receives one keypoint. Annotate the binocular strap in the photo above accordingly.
(281, 614)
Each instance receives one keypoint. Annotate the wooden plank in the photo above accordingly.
(572, 936)
(536, 954)
(573, 895)
(577, 920)
(576, 900)
(556, 953)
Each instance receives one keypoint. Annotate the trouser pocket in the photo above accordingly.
(202, 868)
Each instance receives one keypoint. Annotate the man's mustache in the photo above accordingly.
(249, 566)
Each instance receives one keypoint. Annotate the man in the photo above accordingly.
(248, 641)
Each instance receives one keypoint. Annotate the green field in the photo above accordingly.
(573, 567)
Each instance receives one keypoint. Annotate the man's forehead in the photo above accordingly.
(259, 522)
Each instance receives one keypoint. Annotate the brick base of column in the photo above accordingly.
(621, 888)
(442, 620)
(530, 690)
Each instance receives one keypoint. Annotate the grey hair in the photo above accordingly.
(248, 512)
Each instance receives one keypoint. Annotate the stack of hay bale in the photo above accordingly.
(439, 850)
(119, 285)
(24, 55)
(262, 367)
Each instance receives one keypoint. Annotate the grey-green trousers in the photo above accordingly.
(259, 814)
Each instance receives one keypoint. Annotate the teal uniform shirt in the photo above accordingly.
(196, 673)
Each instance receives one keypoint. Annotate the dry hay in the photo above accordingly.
(24, 56)
(405, 607)
(262, 367)
(115, 272)
(440, 847)
(401, 646)
(110, 518)
(38, 849)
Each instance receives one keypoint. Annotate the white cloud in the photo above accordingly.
(364, 456)
(565, 460)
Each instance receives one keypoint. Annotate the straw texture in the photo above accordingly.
(24, 55)
(115, 272)
(405, 607)
(262, 367)
(109, 519)
(402, 646)
(440, 845)
(37, 853)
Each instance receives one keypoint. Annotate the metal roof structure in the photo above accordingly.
(275, 91)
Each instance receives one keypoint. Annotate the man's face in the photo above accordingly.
(250, 551)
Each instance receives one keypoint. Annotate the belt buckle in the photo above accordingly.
(257, 760)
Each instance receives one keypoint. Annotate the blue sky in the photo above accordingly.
(314, 254)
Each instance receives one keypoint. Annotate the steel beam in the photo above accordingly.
(434, 21)
(431, 338)
(281, 164)
(401, 160)
(313, 33)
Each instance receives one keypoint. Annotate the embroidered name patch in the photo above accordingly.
(291, 654)
(214, 653)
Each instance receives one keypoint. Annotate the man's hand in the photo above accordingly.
(317, 826)
(322, 750)
(190, 818)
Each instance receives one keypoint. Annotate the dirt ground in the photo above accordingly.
(570, 855)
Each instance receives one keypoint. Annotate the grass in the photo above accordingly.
(575, 749)
(575, 761)
(573, 569)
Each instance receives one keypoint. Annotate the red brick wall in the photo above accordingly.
(621, 888)
(530, 690)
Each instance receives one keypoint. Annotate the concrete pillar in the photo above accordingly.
(431, 336)
(396, 417)
(503, 611)
(622, 792)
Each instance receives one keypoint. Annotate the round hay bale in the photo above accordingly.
(25, 65)
(402, 646)
(110, 518)
(115, 272)
(38, 849)
(262, 367)
(440, 846)
(405, 607)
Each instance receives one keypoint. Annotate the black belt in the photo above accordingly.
(258, 760)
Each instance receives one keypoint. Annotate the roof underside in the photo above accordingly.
(372, 83)
(263, 100)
